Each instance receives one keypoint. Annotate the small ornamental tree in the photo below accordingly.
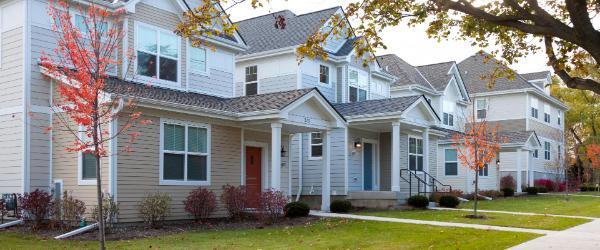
(86, 52)
(476, 148)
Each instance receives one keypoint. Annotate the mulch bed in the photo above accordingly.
(136, 231)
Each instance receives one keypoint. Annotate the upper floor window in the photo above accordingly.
(547, 114)
(84, 25)
(559, 117)
(485, 171)
(448, 116)
(546, 150)
(198, 60)
(251, 83)
(559, 152)
(451, 162)
(415, 154)
(157, 53)
(481, 108)
(357, 86)
(316, 145)
(323, 74)
(534, 108)
(535, 153)
(185, 152)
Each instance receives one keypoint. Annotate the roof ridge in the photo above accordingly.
(431, 64)
(259, 16)
(317, 11)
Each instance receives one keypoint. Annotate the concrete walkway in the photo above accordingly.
(431, 223)
(585, 236)
(515, 213)
(576, 195)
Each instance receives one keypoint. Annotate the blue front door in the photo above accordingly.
(368, 166)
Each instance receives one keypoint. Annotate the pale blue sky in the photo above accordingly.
(411, 44)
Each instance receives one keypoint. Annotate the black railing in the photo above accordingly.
(426, 183)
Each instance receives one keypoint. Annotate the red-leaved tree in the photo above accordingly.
(476, 148)
(593, 154)
(88, 50)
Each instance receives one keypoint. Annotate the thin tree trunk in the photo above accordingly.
(100, 218)
(476, 193)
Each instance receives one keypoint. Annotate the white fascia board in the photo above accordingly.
(268, 53)
(417, 87)
(339, 120)
(384, 75)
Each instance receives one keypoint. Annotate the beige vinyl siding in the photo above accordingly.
(65, 165)
(11, 69)
(163, 19)
(39, 151)
(11, 153)
(138, 170)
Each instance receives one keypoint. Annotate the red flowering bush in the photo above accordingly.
(271, 205)
(508, 182)
(235, 201)
(435, 196)
(200, 203)
(562, 187)
(549, 184)
(36, 206)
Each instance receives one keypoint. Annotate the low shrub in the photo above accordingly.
(340, 206)
(296, 209)
(435, 196)
(200, 203)
(542, 189)
(546, 183)
(587, 188)
(491, 193)
(235, 201)
(271, 205)
(418, 201)
(155, 207)
(68, 211)
(449, 201)
(110, 210)
(531, 190)
(508, 182)
(562, 187)
(508, 192)
(36, 206)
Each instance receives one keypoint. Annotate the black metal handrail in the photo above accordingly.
(421, 182)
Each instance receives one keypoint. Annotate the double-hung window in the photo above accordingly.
(536, 153)
(251, 80)
(448, 118)
(185, 153)
(316, 145)
(198, 60)
(481, 108)
(559, 152)
(415, 154)
(534, 108)
(101, 29)
(559, 117)
(547, 113)
(546, 150)
(484, 171)
(357, 86)
(451, 162)
(323, 74)
(157, 54)
(87, 163)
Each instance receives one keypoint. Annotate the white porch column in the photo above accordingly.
(326, 176)
(530, 167)
(276, 155)
(426, 156)
(519, 170)
(396, 156)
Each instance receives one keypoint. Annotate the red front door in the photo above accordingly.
(253, 175)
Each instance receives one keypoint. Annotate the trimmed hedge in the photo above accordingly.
(418, 201)
(296, 209)
(508, 192)
(542, 189)
(340, 206)
(449, 201)
(531, 190)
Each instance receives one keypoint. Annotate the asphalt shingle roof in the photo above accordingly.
(516, 137)
(262, 102)
(483, 65)
(437, 74)
(406, 73)
(535, 75)
(386, 105)
(260, 33)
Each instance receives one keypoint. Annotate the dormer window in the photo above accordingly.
(534, 108)
(481, 108)
(448, 118)
(251, 84)
(157, 54)
(323, 74)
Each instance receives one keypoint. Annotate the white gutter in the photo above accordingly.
(77, 231)
(10, 224)
(299, 168)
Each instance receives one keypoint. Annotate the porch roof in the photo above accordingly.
(378, 106)
(513, 138)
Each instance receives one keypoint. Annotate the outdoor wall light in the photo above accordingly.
(357, 144)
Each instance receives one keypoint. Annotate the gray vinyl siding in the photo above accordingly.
(43, 41)
(328, 90)
(11, 69)
(276, 84)
(39, 151)
(509, 125)
(355, 158)
(376, 96)
(11, 153)
(218, 82)
(339, 85)
(264, 137)
(544, 130)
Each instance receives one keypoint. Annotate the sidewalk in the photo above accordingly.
(431, 223)
(515, 213)
(585, 236)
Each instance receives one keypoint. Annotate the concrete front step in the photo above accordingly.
(377, 199)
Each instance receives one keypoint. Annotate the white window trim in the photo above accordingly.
(246, 83)
(485, 176)
(185, 182)
(549, 150)
(357, 85)
(206, 72)
(484, 108)
(328, 75)
(409, 153)
(80, 180)
(536, 107)
(534, 155)
(310, 145)
(157, 80)
(446, 161)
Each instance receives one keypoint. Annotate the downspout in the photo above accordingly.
(299, 167)
(289, 164)
(26, 97)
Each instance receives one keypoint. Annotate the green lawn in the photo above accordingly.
(547, 204)
(327, 234)
(494, 219)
